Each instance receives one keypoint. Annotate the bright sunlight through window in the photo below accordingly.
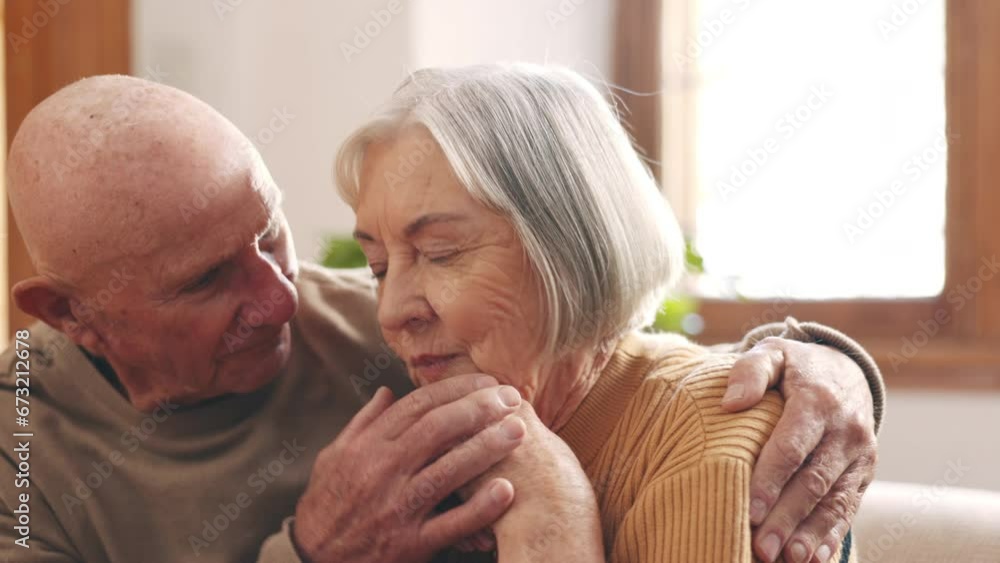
(819, 153)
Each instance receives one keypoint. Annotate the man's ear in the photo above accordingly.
(54, 305)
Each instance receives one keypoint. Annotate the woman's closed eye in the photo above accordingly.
(378, 271)
(439, 259)
(441, 256)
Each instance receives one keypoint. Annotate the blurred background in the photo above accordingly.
(831, 161)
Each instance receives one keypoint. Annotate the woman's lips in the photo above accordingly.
(430, 366)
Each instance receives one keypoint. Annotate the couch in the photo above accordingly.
(905, 523)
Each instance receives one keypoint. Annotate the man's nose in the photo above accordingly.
(272, 296)
(402, 304)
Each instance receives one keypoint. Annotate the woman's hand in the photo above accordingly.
(811, 474)
(554, 516)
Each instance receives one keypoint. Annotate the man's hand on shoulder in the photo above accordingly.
(814, 469)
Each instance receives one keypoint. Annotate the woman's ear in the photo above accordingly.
(45, 300)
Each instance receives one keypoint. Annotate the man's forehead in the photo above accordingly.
(212, 243)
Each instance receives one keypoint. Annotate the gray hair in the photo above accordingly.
(542, 147)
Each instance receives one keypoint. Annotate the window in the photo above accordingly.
(831, 162)
(819, 134)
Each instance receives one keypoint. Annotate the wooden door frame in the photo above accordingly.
(49, 44)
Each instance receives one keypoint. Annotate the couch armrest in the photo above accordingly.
(901, 522)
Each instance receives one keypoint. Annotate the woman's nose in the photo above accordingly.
(402, 304)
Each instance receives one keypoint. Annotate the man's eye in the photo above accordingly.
(270, 235)
(203, 282)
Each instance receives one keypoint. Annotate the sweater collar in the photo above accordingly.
(592, 423)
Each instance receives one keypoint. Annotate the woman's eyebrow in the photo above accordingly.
(414, 227)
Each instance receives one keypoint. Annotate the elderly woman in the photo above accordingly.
(514, 231)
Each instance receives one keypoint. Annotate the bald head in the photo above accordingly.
(155, 228)
(103, 170)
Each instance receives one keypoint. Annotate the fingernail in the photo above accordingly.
(512, 428)
(823, 553)
(798, 552)
(758, 509)
(484, 381)
(499, 491)
(771, 545)
(734, 393)
(509, 396)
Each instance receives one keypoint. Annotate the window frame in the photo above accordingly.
(965, 352)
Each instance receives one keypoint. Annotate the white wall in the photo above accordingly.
(249, 59)
(576, 33)
(927, 432)
(264, 56)
(267, 56)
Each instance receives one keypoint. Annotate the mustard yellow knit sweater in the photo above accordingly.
(670, 469)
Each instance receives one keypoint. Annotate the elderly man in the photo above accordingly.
(193, 391)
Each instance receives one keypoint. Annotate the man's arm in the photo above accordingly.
(809, 333)
(808, 483)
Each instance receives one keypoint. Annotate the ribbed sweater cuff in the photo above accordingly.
(818, 333)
